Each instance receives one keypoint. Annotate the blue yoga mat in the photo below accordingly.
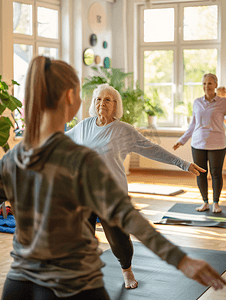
(7, 225)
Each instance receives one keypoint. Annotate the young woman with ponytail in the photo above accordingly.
(53, 186)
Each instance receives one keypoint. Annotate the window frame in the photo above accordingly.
(50, 6)
(178, 46)
(34, 39)
(159, 6)
(205, 3)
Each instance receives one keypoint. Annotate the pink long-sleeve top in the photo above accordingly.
(206, 129)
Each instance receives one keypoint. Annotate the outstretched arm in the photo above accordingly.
(177, 145)
(102, 194)
(195, 169)
(201, 271)
(148, 149)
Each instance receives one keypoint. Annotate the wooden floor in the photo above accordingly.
(153, 208)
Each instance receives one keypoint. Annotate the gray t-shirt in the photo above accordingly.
(114, 141)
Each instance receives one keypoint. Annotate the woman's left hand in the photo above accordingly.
(195, 169)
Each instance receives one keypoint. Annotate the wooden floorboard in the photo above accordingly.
(153, 207)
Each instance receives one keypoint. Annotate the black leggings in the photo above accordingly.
(120, 242)
(27, 290)
(216, 160)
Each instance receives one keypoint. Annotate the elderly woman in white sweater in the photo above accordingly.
(113, 140)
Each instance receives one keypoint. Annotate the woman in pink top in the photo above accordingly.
(208, 139)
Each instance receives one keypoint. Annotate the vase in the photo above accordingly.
(189, 120)
(152, 120)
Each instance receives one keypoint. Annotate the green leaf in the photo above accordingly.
(12, 103)
(4, 130)
(2, 108)
(19, 111)
(0, 77)
(4, 95)
(1, 86)
(95, 69)
(7, 120)
(15, 82)
(5, 86)
(17, 101)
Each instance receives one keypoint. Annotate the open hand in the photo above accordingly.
(202, 272)
(195, 169)
(177, 145)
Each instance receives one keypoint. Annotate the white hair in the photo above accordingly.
(117, 97)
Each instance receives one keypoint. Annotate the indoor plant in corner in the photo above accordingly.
(132, 95)
(12, 103)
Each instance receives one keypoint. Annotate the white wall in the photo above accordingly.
(119, 36)
(76, 33)
(6, 40)
(105, 35)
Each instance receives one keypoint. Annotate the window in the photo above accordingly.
(153, 19)
(178, 44)
(36, 31)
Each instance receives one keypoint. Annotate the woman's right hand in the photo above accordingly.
(177, 145)
(201, 271)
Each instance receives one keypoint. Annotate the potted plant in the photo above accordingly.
(12, 103)
(153, 107)
(132, 96)
(185, 109)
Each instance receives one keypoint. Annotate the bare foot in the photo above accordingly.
(203, 207)
(130, 281)
(216, 208)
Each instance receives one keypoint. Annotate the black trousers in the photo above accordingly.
(216, 160)
(27, 290)
(120, 243)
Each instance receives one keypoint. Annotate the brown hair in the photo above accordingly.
(46, 82)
